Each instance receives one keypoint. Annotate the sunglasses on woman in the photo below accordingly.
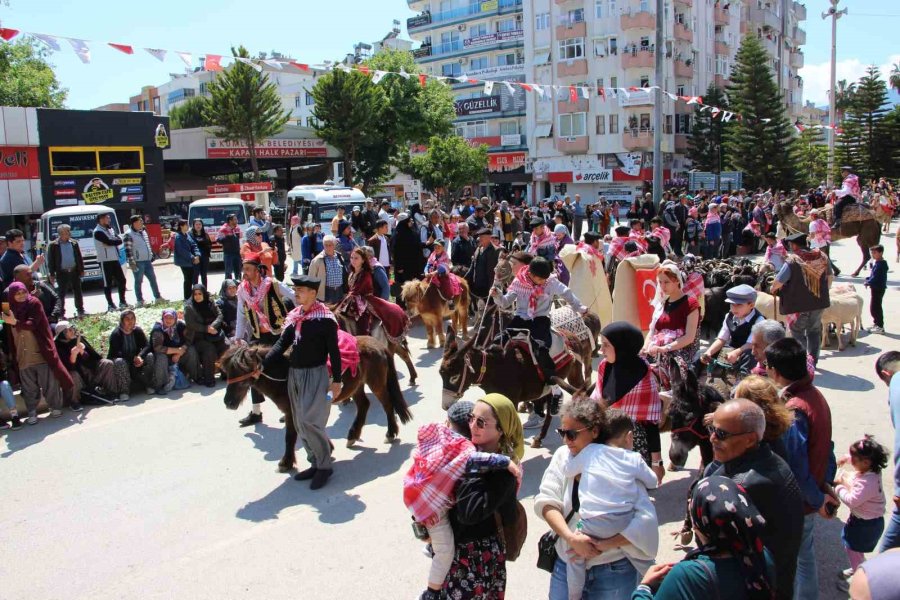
(570, 434)
(480, 422)
(723, 435)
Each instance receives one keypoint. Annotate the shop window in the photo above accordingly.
(73, 161)
(91, 160)
(120, 160)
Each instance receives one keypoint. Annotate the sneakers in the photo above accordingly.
(16, 423)
(123, 305)
(170, 385)
(124, 397)
(876, 329)
(139, 304)
(534, 421)
(76, 407)
(32, 418)
(251, 419)
(56, 413)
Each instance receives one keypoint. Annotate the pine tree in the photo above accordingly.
(761, 142)
(189, 114)
(705, 145)
(812, 155)
(866, 135)
(245, 106)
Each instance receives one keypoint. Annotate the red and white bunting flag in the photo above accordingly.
(187, 58)
(156, 53)
(378, 76)
(403, 74)
(125, 48)
(703, 108)
(488, 88)
(726, 116)
(624, 92)
(213, 62)
(838, 131)
(585, 92)
(510, 88)
(539, 89)
(423, 79)
(8, 34)
(601, 92)
(246, 61)
(301, 66)
(49, 40)
(81, 49)
(671, 96)
(275, 64)
(715, 112)
(634, 88)
(473, 81)
(694, 100)
(527, 87)
(364, 70)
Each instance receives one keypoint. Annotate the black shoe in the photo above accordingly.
(251, 419)
(211, 383)
(16, 423)
(430, 594)
(321, 476)
(304, 475)
(281, 420)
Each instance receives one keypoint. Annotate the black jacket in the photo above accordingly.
(772, 487)
(53, 308)
(117, 344)
(478, 498)
(461, 251)
(203, 243)
(481, 273)
(229, 315)
(54, 258)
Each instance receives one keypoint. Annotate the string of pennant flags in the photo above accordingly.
(214, 62)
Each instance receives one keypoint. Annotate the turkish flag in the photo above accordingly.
(573, 94)
(301, 66)
(645, 290)
(213, 62)
(8, 34)
(422, 79)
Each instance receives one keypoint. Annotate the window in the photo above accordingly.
(453, 69)
(509, 128)
(576, 16)
(682, 123)
(598, 8)
(645, 81)
(614, 123)
(613, 45)
(478, 29)
(311, 122)
(645, 6)
(710, 64)
(722, 65)
(507, 25)
(310, 100)
(156, 105)
(667, 124)
(90, 160)
(612, 8)
(680, 90)
(572, 48)
(203, 89)
(599, 82)
(573, 125)
(645, 120)
(542, 21)
(506, 59)
(472, 129)
(601, 125)
(479, 62)
(298, 100)
(613, 82)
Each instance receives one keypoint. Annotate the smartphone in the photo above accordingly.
(420, 531)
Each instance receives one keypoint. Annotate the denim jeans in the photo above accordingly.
(297, 265)
(807, 330)
(7, 393)
(611, 581)
(806, 583)
(232, 266)
(891, 537)
(144, 268)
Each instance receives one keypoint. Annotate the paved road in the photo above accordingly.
(168, 498)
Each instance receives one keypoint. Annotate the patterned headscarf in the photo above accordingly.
(722, 511)
(172, 331)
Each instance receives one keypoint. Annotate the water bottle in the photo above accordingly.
(329, 396)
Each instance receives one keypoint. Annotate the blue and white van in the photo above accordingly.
(82, 220)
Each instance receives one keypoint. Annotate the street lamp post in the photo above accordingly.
(835, 14)
(658, 105)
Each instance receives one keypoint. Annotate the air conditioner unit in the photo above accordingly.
(461, 27)
(464, 61)
(518, 18)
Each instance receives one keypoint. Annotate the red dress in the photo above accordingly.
(362, 303)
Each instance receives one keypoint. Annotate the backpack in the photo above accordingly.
(513, 534)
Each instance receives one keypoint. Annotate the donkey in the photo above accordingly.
(426, 298)
(691, 402)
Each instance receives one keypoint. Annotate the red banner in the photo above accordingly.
(233, 188)
(19, 162)
(645, 290)
(506, 161)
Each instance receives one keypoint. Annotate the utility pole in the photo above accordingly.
(658, 104)
(835, 14)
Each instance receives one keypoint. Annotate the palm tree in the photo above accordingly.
(894, 80)
(842, 98)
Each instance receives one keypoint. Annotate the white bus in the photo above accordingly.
(213, 211)
(82, 220)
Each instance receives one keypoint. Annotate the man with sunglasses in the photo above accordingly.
(740, 454)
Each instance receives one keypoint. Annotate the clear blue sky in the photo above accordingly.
(314, 31)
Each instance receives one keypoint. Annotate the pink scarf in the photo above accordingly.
(712, 217)
(523, 284)
(297, 316)
(435, 261)
(256, 300)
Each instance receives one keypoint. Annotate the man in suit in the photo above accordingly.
(481, 273)
(380, 246)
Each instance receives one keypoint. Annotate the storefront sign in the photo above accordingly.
(97, 189)
(418, 20)
(19, 162)
(506, 161)
(493, 38)
(477, 106)
(161, 137)
(235, 188)
(267, 148)
(497, 70)
(592, 176)
(512, 139)
(619, 193)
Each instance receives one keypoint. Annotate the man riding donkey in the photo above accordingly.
(262, 306)
(849, 193)
(533, 290)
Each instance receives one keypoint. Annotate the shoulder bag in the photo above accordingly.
(547, 554)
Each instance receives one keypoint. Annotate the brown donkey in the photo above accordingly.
(425, 298)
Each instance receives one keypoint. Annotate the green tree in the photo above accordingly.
(244, 106)
(812, 156)
(189, 114)
(865, 134)
(843, 96)
(705, 145)
(895, 77)
(449, 164)
(347, 109)
(27, 78)
(761, 143)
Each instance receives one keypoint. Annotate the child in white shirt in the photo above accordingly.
(613, 478)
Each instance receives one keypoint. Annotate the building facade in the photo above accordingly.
(484, 40)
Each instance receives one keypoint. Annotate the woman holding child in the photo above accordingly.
(613, 565)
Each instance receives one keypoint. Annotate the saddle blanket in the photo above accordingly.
(560, 350)
(349, 353)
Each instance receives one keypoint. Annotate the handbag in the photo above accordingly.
(547, 554)
(513, 533)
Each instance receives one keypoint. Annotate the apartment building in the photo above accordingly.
(777, 25)
(481, 39)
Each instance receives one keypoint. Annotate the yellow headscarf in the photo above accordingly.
(510, 424)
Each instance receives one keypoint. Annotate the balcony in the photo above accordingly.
(422, 51)
(565, 107)
(572, 68)
(681, 142)
(800, 11)
(571, 30)
(799, 36)
(573, 145)
(484, 8)
(639, 138)
(446, 48)
(641, 97)
(721, 16)
(765, 17)
(721, 48)
(683, 33)
(639, 20)
(420, 20)
(683, 69)
(797, 60)
(685, 2)
(638, 59)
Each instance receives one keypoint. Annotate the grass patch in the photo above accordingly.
(97, 327)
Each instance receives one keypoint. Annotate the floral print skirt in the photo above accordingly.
(478, 571)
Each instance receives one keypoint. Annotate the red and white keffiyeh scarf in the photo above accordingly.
(435, 261)
(591, 252)
(523, 285)
(256, 300)
(547, 240)
(297, 316)
(439, 462)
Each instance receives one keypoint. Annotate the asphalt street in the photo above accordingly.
(165, 497)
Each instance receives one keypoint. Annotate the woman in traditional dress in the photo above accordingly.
(362, 305)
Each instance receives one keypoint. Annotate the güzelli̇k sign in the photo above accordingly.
(477, 106)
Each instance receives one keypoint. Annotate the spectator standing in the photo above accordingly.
(578, 215)
(66, 267)
(187, 257)
(877, 284)
(462, 248)
(431, 232)
(262, 222)
(809, 452)
(406, 250)
(139, 254)
(370, 218)
(484, 263)
(887, 368)
(230, 237)
(329, 269)
(295, 244)
(336, 221)
(712, 232)
(379, 244)
(201, 238)
(256, 247)
(280, 252)
(15, 255)
(107, 242)
(131, 354)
